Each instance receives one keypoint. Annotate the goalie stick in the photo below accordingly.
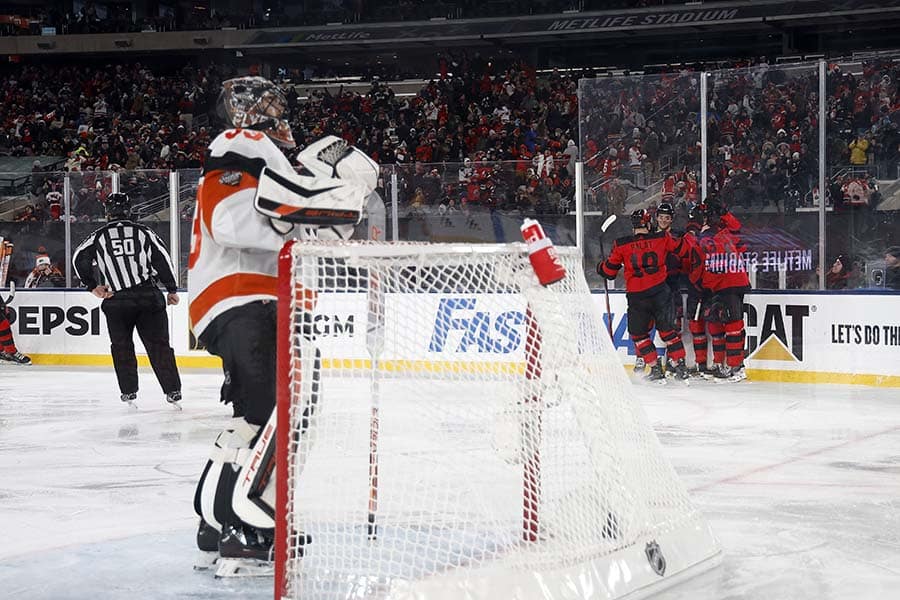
(606, 225)
(375, 211)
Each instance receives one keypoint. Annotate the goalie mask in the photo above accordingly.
(256, 103)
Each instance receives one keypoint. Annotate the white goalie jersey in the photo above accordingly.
(234, 248)
(248, 201)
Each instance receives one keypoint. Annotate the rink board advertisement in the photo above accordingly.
(846, 338)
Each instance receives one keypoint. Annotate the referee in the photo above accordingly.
(129, 258)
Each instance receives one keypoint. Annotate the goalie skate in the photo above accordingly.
(246, 552)
(243, 567)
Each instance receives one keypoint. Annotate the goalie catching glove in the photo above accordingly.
(330, 190)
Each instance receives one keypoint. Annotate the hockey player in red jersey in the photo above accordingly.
(696, 230)
(643, 255)
(237, 234)
(725, 276)
(665, 215)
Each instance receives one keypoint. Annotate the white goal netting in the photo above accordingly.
(457, 430)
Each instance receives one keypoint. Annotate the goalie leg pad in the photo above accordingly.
(253, 496)
(214, 491)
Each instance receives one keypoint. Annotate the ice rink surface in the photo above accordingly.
(800, 482)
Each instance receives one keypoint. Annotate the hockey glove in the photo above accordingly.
(333, 157)
(309, 199)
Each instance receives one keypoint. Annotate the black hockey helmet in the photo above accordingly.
(640, 218)
(666, 208)
(118, 206)
(698, 216)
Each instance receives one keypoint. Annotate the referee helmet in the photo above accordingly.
(118, 206)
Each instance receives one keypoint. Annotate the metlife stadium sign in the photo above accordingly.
(776, 13)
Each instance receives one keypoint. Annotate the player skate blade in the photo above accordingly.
(176, 405)
(672, 377)
(243, 567)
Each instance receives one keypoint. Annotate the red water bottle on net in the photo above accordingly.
(544, 259)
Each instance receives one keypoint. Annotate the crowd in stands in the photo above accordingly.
(127, 119)
(105, 118)
(481, 136)
(513, 132)
(91, 18)
(762, 130)
(509, 136)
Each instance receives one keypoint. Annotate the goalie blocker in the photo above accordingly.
(331, 188)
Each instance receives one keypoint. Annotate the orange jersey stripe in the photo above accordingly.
(212, 191)
(239, 284)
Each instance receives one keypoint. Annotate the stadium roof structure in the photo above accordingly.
(629, 38)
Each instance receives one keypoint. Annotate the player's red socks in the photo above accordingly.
(717, 333)
(6, 339)
(674, 346)
(644, 348)
(734, 342)
(698, 334)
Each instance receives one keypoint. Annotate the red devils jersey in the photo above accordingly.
(644, 258)
(724, 261)
(695, 260)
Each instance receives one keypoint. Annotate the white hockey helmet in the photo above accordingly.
(256, 103)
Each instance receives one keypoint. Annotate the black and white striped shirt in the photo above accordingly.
(127, 254)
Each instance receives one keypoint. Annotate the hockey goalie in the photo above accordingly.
(249, 202)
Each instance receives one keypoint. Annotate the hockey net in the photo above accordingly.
(449, 428)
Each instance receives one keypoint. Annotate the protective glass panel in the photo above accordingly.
(188, 180)
(32, 220)
(150, 199)
(481, 201)
(863, 127)
(639, 139)
(762, 161)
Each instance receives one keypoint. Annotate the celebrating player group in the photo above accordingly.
(706, 260)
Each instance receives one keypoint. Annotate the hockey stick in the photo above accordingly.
(374, 346)
(12, 293)
(6, 250)
(606, 225)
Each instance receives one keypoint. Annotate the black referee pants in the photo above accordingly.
(142, 308)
